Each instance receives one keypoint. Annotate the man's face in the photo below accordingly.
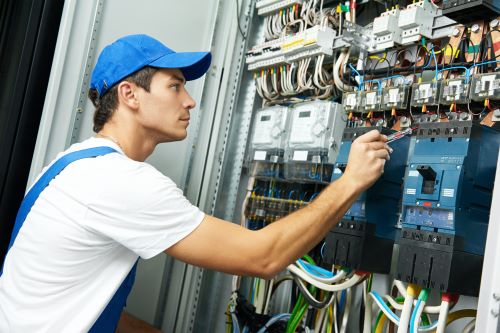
(164, 110)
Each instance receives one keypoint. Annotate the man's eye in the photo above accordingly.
(175, 87)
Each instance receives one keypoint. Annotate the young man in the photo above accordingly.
(66, 269)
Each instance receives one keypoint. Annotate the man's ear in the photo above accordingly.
(127, 94)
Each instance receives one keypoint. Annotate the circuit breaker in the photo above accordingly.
(365, 236)
(386, 30)
(395, 97)
(426, 93)
(417, 20)
(446, 204)
(454, 91)
(485, 86)
(314, 135)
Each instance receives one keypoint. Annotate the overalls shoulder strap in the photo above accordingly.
(108, 320)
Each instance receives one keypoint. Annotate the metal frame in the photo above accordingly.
(73, 45)
(488, 310)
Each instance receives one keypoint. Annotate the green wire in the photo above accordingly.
(370, 280)
(309, 259)
(379, 317)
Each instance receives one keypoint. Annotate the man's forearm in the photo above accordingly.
(292, 236)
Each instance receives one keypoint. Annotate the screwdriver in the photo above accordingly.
(401, 134)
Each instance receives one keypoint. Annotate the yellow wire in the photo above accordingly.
(465, 313)
(380, 325)
(380, 59)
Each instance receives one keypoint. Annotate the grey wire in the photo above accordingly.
(238, 20)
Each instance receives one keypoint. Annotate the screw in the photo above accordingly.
(494, 23)
(475, 28)
(455, 32)
(494, 313)
(496, 297)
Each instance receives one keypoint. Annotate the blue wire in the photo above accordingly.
(315, 270)
(313, 196)
(280, 317)
(414, 315)
(382, 304)
(361, 82)
(342, 302)
(290, 194)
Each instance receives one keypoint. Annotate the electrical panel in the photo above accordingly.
(431, 86)
(364, 238)
(314, 134)
(446, 200)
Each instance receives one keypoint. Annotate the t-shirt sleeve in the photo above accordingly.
(143, 210)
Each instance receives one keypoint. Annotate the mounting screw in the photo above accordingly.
(79, 110)
(494, 313)
(455, 32)
(475, 28)
(496, 297)
(494, 23)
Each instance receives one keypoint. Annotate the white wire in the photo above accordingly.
(337, 277)
(368, 309)
(443, 314)
(401, 287)
(311, 296)
(428, 308)
(327, 287)
(336, 72)
(347, 308)
(404, 321)
(268, 299)
(469, 328)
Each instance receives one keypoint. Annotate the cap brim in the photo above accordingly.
(192, 64)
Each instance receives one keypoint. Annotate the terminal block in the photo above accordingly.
(386, 30)
(446, 202)
(485, 86)
(266, 7)
(395, 97)
(425, 93)
(267, 143)
(417, 20)
(365, 236)
(314, 135)
(454, 91)
(308, 43)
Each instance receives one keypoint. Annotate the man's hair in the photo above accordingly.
(107, 104)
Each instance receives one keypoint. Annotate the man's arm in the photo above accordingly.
(227, 247)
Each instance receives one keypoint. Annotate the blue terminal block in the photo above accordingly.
(364, 238)
(446, 204)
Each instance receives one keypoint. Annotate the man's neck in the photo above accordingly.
(134, 143)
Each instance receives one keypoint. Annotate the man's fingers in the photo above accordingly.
(371, 136)
(380, 145)
(382, 153)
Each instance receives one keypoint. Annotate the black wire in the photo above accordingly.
(238, 20)
(312, 302)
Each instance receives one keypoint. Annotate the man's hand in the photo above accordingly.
(367, 159)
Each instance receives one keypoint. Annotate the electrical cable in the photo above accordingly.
(469, 328)
(443, 314)
(356, 278)
(273, 320)
(412, 290)
(310, 298)
(238, 20)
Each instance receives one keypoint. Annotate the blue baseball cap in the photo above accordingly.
(130, 53)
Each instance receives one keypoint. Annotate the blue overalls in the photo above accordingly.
(108, 320)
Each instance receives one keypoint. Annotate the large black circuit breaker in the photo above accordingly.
(365, 236)
(446, 204)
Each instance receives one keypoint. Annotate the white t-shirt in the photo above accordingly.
(82, 237)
